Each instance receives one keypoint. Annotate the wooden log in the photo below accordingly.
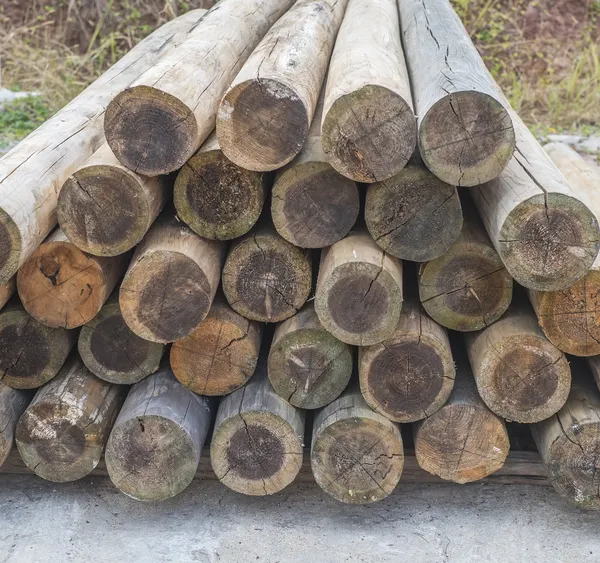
(569, 444)
(413, 215)
(7, 290)
(520, 375)
(369, 127)
(112, 351)
(410, 375)
(464, 441)
(266, 278)
(359, 291)
(468, 288)
(356, 454)
(307, 366)
(154, 448)
(105, 209)
(61, 286)
(31, 353)
(62, 434)
(155, 126)
(32, 173)
(466, 136)
(216, 198)
(12, 405)
(256, 447)
(264, 117)
(220, 355)
(171, 281)
(594, 365)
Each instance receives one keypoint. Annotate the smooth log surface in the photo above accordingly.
(265, 277)
(369, 130)
(154, 448)
(413, 215)
(62, 434)
(62, 286)
(256, 447)
(7, 290)
(112, 351)
(307, 365)
(155, 126)
(105, 209)
(12, 405)
(215, 197)
(32, 173)
(520, 374)
(31, 353)
(466, 136)
(410, 375)
(468, 288)
(265, 115)
(220, 355)
(359, 290)
(357, 455)
(171, 281)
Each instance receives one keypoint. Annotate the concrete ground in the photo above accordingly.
(91, 521)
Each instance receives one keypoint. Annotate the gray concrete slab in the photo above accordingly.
(91, 521)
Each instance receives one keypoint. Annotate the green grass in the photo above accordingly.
(19, 117)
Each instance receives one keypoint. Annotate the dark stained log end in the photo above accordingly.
(10, 247)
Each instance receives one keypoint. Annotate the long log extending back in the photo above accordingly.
(543, 230)
(410, 375)
(62, 434)
(359, 291)
(171, 281)
(520, 374)
(7, 290)
(155, 126)
(256, 447)
(464, 441)
(30, 353)
(466, 136)
(112, 351)
(154, 448)
(413, 215)
(32, 173)
(106, 209)
(570, 317)
(468, 288)
(369, 128)
(61, 286)
(356, 454)
(307, 366)
(265, 115)
(569, 444)
(12, 405)
(215, 197)
(266, 278)
(220, 355)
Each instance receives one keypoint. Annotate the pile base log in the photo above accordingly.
(12, 405)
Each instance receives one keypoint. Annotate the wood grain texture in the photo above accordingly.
(12, 405)
(7, 290)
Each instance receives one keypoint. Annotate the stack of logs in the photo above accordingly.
(239, 201)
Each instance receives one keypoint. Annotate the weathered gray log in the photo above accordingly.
(12, 405)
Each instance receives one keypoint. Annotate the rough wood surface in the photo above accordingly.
(220, 355)
(266, 278)
(369, 128)
(265, 115)
(7, 290)
(61, 286)
(359, 290)
(410, 375)
(413, 215)
(112, 351)
(154, 448)
(32, 173)
(171, 281)
(62, 434)
(468, 288)
(256, 447)
(12, 405)
(105, 209)
(30, 353)
(356, 454)
(520, 374)
(216, 198)
(155, 126)
(307, 366)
